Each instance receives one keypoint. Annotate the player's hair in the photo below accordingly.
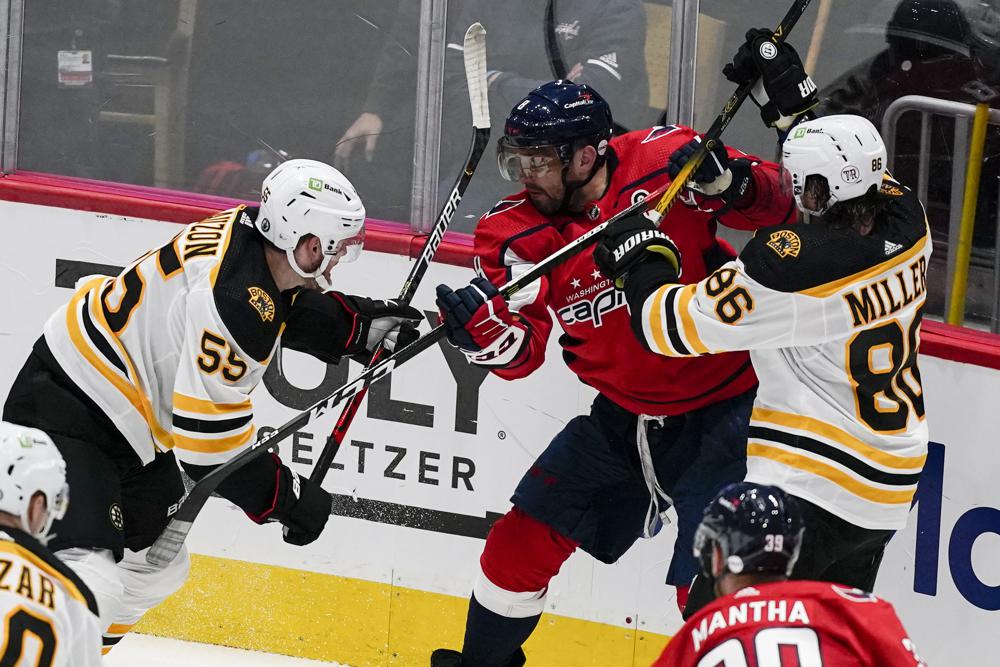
(873, 207)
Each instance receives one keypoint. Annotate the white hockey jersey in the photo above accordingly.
(171, 348)
(49, 615)
(832, 322)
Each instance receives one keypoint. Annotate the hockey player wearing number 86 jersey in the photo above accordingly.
(747, 544)
(155, 367)
(830, 312)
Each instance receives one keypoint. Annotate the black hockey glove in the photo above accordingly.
(375, 322)
(633, 243)
(302, 506)
(789, 90)
(718, 183)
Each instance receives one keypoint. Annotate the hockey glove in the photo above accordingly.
(633, 243)
(788, 90)
(302, 506)
(718, 183)
(375, 322)
(478, 322)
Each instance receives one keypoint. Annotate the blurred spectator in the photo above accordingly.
(937, 49)
(528, 42)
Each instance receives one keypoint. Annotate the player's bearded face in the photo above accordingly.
(540, 172)
(310, 256)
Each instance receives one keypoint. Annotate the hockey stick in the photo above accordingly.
(168, 544)
(475, 75)
(722, 121)
(170, 541)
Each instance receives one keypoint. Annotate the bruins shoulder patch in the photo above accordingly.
(785, 242)
(262, 303)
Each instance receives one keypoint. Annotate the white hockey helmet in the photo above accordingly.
(30, 464)
(844, 149)
(308, 197)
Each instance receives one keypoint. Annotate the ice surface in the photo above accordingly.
(148, 651)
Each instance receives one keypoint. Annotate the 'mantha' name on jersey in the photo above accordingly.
(891, 294)
(756, 611)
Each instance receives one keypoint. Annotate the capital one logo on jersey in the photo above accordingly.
(598, 301)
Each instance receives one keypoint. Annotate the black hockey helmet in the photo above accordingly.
(757, 528)
(924, 29)
(559, 114)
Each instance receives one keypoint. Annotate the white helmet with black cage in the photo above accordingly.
(303, 197)
(844, 150)
(30, 464)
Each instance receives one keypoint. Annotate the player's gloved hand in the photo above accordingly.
(632, 243)
(375, 322)
(302, 506)
(718, 183)
(788, 90)
(478, 322)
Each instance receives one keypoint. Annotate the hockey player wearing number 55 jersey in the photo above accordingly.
(155, 366)
(747, 544)
(830, 312)
(48, 615)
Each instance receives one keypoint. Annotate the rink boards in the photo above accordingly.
(431, 462)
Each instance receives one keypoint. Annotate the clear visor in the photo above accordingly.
(520, 163)
(351, 247)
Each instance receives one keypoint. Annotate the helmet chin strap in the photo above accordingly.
(317, 275)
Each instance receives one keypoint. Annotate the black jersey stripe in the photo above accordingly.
(167, 259)
(194, 425)
(671, 317)
(99, 341)
(833, 454)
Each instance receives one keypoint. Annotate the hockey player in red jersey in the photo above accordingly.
(747, 545)
(660, 430)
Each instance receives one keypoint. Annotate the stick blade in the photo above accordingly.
(475, 74)
(169, 543)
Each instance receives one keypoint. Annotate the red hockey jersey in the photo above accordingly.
(598, 343)
(811, 623)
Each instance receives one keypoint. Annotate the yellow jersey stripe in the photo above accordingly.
(127, 389)
(687, 323)
(160, 434)
(206, 407)
(214, 446)
(831, 288)
(840, 436)
(656, 324)
(830, 473)
(230, 223)
(21, 552)
(118, 628)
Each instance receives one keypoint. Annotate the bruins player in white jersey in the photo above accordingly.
(49, 615)
(830, 312)
(155, 366)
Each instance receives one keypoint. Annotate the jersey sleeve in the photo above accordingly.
(885, 639)
(769, 204)
(678, 651)
(212, 418)
(729, 311)
(501, 259)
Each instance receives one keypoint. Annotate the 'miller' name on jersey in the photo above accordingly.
(770, 611)
(888, 295)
